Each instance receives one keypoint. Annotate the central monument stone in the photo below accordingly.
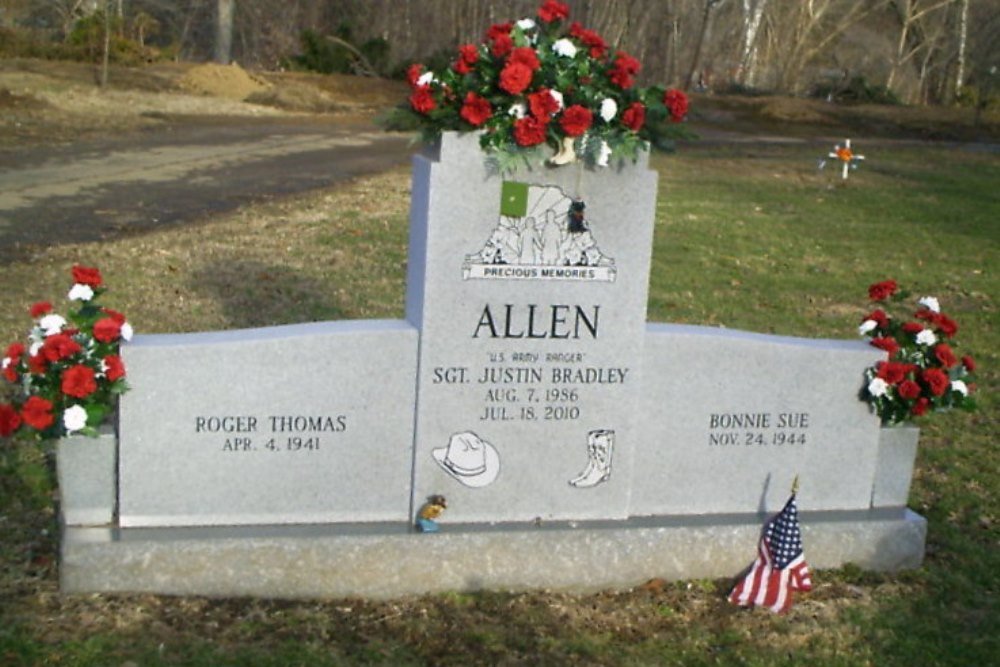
(530, 292)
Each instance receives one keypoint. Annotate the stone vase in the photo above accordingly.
(897, 452)
(86, 471)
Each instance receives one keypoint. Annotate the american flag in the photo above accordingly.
(780, 567)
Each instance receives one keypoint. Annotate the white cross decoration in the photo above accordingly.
(846, 156)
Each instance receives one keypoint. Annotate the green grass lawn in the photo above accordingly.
(748, 236)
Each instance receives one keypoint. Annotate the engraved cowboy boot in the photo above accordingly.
(600, 446)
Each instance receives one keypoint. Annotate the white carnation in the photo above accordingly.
(866, 326)
(564, 47)
(35, 347)
(878, 387)
(80, 293)
(52, 323)
(126, 332)
(518, 110)
(5, 363)
(926, 337)
(930, 303)
(558, 97)
(426, 78)
(609, 109)
(960, 387)
(526, 24)
(74, 419)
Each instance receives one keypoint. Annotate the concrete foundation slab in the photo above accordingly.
(389, 560)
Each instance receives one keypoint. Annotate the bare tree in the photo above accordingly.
(915, 20)
(704, 36)
(224, 30)
(810, 27)
(753, 14)
(963, 39)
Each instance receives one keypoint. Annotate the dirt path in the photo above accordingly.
(99, 189)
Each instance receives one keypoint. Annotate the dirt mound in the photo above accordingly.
(794, 110)
(11, 100)
(231, 81)
(294, 96)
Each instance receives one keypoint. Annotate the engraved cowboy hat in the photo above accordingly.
(469, 459)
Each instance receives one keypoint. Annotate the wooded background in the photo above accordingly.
(918, 51)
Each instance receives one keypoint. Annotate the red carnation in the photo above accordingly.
(10, 421)
(37, 413)
(888, 344)
(41, 308)
(476, 110)
(677, 103)
(525, 56)
(879, 317)
(913, 327)
(634, 116)
(14, 351)
(421, 100)
(553, 11)
(624, 70)
(882, 290)
(944, 355)
(37, 364)
(13, 357)
(598, 47)
(78, 381)
(542, 104)
(115, 315)
(58, 347)
(969, 363)
(908, 389)
(946, 325)
(920, 407)
(936, 380)
(115, 369)
(468, 55)
(892, 372)
(107, 330)
(529, 131)
(498, 30)
(502, 45)
(576, 120)
(87, 275)
(413, 73)
(515, 77)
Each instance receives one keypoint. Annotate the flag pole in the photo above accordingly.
(795, 485)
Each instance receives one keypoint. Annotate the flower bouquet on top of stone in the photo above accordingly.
(67, 380)
(923, 372)
(540, 86)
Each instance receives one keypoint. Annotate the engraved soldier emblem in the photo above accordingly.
(541, 234)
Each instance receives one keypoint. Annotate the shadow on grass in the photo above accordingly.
(259, 294)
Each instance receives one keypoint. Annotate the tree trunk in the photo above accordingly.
(224, 31)
(746, 74)
(963, 36)
(707, 18)
(106, 55)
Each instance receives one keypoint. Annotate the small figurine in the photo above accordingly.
(428, 514)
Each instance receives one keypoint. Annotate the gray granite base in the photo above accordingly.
(389, 560)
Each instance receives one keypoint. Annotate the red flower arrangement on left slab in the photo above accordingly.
(67, 379)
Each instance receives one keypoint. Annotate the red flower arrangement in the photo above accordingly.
(69, 376)
(922, 372)
(535, 82)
